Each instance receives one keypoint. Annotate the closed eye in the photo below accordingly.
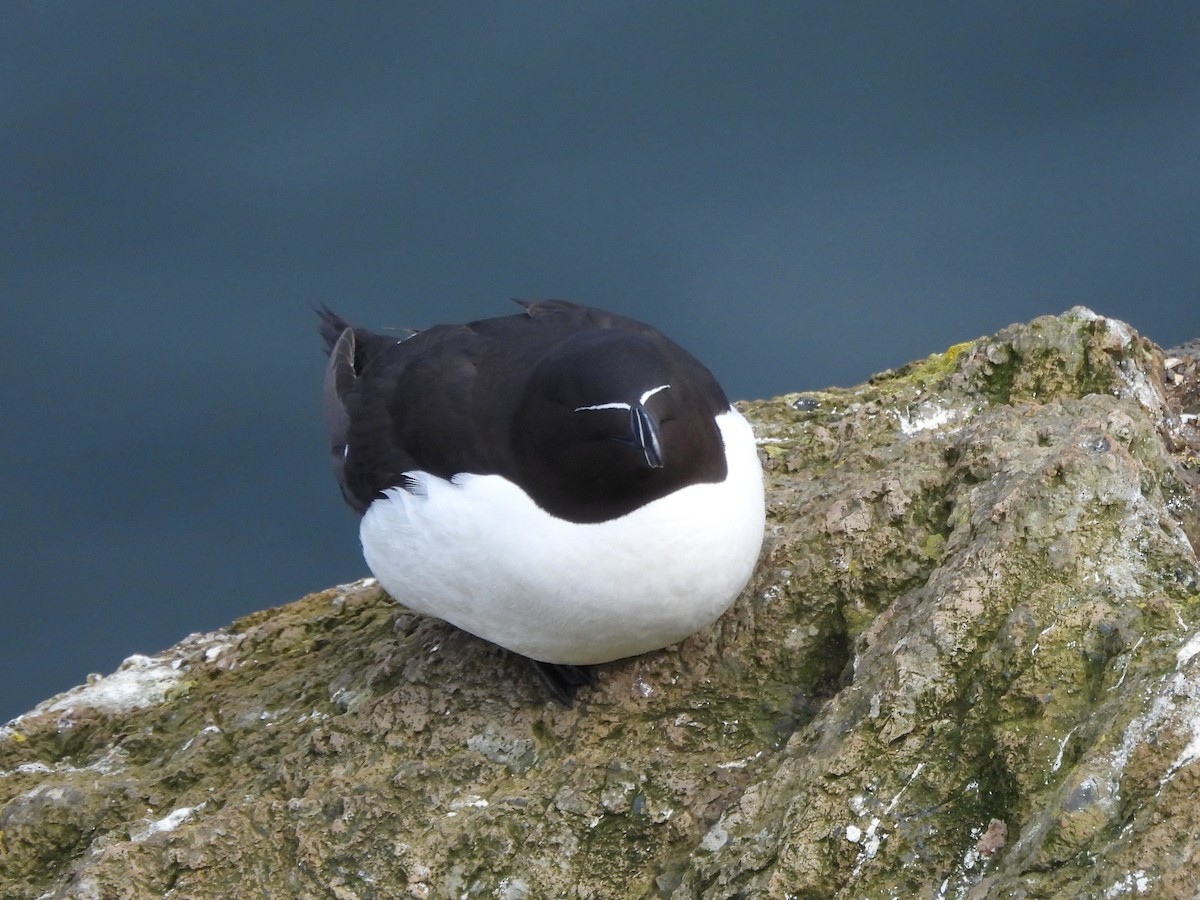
(624, 406)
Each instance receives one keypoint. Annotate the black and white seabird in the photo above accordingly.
(564, 482)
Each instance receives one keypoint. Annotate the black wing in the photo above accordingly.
(416, 402)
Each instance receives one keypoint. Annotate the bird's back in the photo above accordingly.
(443, 400)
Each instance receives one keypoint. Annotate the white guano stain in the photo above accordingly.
(169, 822)
(139, 682)
(870, 840)
(926, 418)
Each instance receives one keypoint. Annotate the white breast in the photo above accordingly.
(479, 553)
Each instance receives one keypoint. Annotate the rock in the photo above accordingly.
(967, 666)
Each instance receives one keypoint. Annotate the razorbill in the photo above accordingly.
(564, 482)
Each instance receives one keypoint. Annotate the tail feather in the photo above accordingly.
(332, 326)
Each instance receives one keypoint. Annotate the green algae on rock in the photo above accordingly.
(967, 666)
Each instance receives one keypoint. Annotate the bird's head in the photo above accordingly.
(610, 419)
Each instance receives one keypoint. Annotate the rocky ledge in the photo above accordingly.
(967, 666)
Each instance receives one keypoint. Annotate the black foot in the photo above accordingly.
(563, 681)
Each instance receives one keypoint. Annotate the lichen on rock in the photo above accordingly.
(967, 666)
